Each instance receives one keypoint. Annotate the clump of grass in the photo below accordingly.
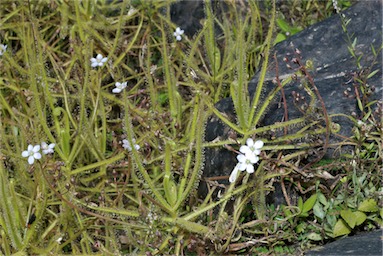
(127, 162)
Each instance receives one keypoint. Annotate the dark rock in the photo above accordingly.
(325, 45)
(369, 243)
(189, 15)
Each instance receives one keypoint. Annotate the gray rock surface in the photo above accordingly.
(369, 243)
(326, 46)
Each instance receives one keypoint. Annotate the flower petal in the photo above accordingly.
(25, 153)
(36, 148)
(250, 142)
(37, 155)
(252, 158)
(241, 158)
(244, 149)
(233, 175)
(242, 166)
(250, 168)
(31, 159)
(258, 144)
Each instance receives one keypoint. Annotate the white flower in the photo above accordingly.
(178, 34)
(59, 240)
(126, 145)
(47, 149)
(253, 147)
(245, 162)
(32, 153)
(98, 61)
(3, 48)
(119, 87)
(247, 159)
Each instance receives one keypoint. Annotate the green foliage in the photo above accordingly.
(307, 205)
(94, 196)
(287, 30)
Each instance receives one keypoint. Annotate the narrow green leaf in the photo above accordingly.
(373, 49)
(282, 24)
(189, 225)
(309, 204)
(170, 192)
(169, 185)
(98, 164)
(212, 50)
(300, 203)
(256, 98)
(354, 42)
(360, 105)
(372, 73)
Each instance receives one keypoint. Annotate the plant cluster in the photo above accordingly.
(123, 95)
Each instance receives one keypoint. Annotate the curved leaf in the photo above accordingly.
(341, 228)
(309, 204)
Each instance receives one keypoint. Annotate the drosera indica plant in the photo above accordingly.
(90, 175)
(80, 181)
(121, 169)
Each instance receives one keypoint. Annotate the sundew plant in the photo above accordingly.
(103, 110)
